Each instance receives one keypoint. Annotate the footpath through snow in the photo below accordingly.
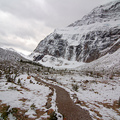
(66, 106)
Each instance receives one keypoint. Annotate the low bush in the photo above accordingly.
(33, 106)
(5, 112)
(75, 87)
(53, 116)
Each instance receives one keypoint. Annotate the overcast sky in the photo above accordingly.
(24, 23)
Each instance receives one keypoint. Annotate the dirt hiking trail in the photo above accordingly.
(66, 106)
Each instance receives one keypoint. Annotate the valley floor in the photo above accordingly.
(100, 96)
(35, 97)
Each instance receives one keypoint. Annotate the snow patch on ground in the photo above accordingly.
(58, 63)
(23, 96)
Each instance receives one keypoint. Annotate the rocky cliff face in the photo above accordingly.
(97, 34)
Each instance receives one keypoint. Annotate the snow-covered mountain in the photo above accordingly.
(86, 40)
(100, 14)
(10, 55)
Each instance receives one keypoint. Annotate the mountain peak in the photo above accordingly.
(103, 13)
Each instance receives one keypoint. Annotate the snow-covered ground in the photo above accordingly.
(58, 63)
(99, 96)
(26, 94)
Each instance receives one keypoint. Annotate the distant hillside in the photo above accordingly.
(10, 55)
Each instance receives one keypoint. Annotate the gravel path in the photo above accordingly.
(66, 106)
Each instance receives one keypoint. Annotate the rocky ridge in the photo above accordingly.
(10, 55)
(102, 13)
(86, 40)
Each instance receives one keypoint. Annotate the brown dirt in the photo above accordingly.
(66, 106)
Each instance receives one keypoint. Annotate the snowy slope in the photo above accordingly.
(110, 63)
(59, 63)
(106, 64)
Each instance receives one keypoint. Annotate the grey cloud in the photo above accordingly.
(25, 33)
(53, 12)
(18, 44)
(22, 8)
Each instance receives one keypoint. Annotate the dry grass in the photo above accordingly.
(20, 113)
(39, 113)
(97, 113)
(82, 103)
(98, 116)
(23, 99)
(114, 106)
(2, 106)
(22, 87)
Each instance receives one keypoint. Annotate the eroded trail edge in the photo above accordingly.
(66, 106)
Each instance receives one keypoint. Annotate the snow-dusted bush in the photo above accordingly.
(53, 116)
(75, 87)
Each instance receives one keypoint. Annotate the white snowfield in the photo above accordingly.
(107, 63)
(58, 63)
(98, 95)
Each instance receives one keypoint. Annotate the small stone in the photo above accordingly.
(28, 77)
